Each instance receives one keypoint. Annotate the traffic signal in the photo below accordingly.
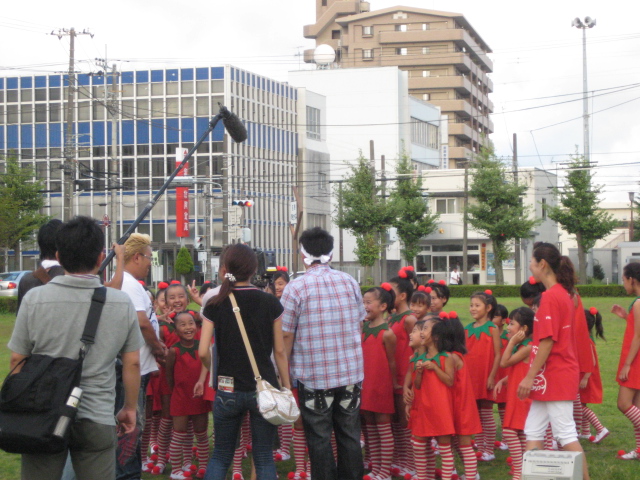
(200, 243)
(242, 203)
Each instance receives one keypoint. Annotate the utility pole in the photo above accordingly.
(465, 226)
(69, 166)
(372, 165)
(114, 164)
(225, 197)
(516, 252)
(383, 269)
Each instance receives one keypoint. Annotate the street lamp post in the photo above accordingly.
(588, 23)
(631, 199)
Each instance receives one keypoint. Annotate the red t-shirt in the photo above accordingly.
(559, 377)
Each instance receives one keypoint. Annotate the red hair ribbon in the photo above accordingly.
(409, 268)
(386, 286)
(443, 315)
(532, 280)
(488, 292)
(192, 313)
(172, 315)
(141, 282)
(431, 280)
(163, 285)
(175, 282)
(453, 314)
(207, 281)
(402, 273)
(442, 282)
(422, 288)
(593, 311)
(285, 269)
(428, 290)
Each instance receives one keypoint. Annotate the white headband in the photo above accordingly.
(309, 259)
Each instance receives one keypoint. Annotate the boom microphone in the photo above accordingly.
(234, 126)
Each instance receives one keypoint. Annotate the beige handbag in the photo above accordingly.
(278, 407)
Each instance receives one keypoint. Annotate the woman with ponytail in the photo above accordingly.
(261, 314)
(553, 378)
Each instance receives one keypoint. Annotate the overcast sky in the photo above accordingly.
(537, 59)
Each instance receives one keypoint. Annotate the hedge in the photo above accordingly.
(465, 291)
(8, 304)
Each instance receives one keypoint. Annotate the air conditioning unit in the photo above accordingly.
(550, 465)
(365, 7)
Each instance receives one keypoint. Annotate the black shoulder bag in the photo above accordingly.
(36, 404)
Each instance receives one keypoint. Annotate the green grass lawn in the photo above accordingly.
(601, 458)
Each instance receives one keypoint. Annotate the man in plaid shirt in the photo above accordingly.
(323, 314)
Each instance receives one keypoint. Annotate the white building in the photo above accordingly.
(364, 105)
(442, 250)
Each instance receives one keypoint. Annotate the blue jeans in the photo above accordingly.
(128, 454)
(228, 411)
(337, 410)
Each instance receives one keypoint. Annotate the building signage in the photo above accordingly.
(182, 198)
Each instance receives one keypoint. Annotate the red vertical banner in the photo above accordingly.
(182, 199)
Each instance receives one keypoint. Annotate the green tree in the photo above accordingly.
(184, 262)
(578, 211)
(498, 211)
(21, 199)
(363, 212)
(410, 213)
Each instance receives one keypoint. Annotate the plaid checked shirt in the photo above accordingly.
(324, 310)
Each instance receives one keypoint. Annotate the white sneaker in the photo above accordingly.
(632, 455)
(464, 477)
(179, 476)
(584, 437)
(486, 457)
(503, 446)
(283, 455)
(601, 436)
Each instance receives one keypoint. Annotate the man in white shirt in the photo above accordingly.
(137, 263)
(455, 276)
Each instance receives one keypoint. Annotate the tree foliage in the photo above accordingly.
(498, 211)
(21, 200)
(184, 262)
(578, 211)
(410, 213)
(363, 213)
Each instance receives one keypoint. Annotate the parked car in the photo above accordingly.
(9, 283)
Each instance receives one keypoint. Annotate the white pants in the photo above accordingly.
(559, 414)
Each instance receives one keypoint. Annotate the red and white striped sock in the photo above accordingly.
(501, 409)
(633, 414)
(285, 433)
(512, 440)
(430, 457)
(164, 437)
(577, 414)
(420, 446)
(523, 440)
(175, 450)
(469, 460)
(364, 432)
(397, 446)
(488, 429)
(299, 447)
(146, 438)
(334, 445)
(548, 438)
(446, 456)
(237, 459)
(590, 418)
(187, 447)
(202, 441)
(155, 425)
(245, 432)
(386, 448)
(406, 456)
(374, 449)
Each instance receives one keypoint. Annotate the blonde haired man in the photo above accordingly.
(137, 263)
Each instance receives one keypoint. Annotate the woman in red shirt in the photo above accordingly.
(553, 378)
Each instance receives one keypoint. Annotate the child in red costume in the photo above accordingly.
(183, 372)
(422, 449)
(500, 319)
(380, 379)
(629, 367)
(483, 359)
(433, 384)
(402, 323)
(515, 360)
(591, 385)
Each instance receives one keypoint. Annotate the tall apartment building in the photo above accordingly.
(447, 60)
(161, 112)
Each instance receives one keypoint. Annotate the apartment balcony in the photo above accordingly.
(461, 107)
(460, 60)
(455, 35)
(464, 132)
(458, 82)
(335, 10)
(460, 153)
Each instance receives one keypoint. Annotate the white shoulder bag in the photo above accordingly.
(278, 407)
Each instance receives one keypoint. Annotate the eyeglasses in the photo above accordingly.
(150, 257)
